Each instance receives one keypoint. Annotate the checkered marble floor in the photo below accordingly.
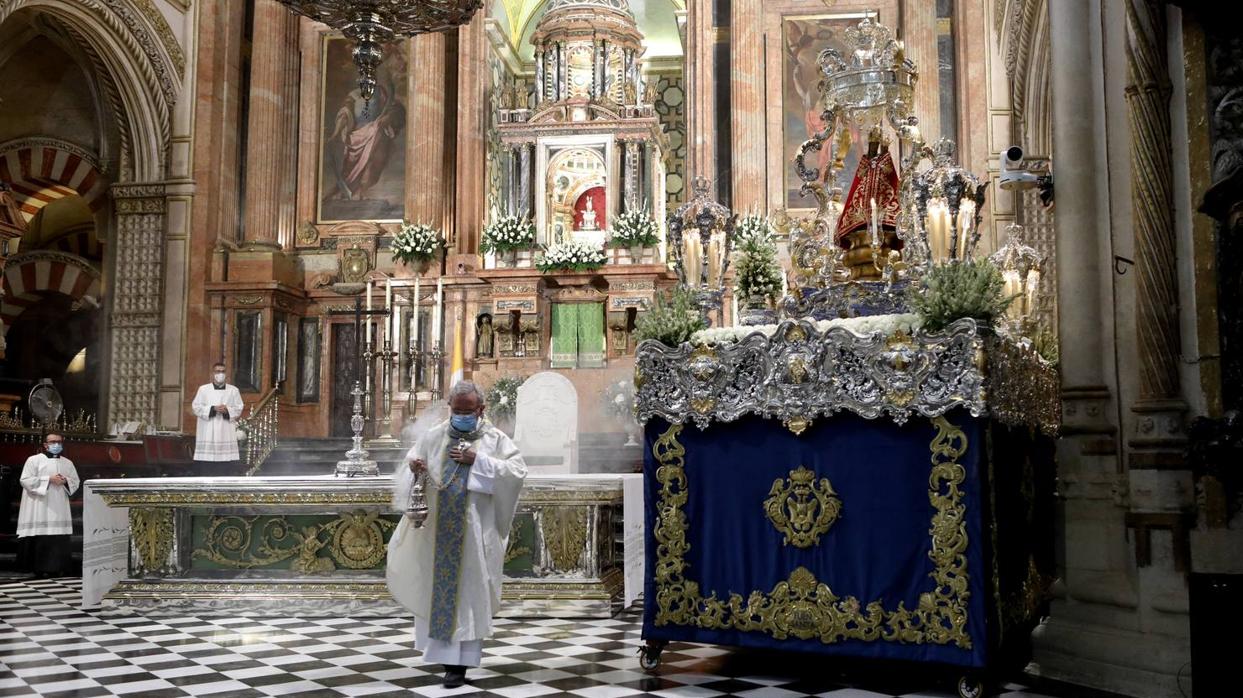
(50, 647)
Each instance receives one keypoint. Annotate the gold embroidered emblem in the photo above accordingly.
(802, 508)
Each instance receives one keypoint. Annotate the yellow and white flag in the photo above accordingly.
(457, 365)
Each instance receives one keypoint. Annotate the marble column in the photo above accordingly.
(471, 123)
(1160, 404)
(525, 189)
(424, 170)
(134, 376)
(271, 127)
(747, 105)
(700, 92)
(919, 31)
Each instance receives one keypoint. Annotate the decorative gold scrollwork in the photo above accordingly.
(565, 535)
(802, 508)
(801, 606)
(355, 540)
(152, 532)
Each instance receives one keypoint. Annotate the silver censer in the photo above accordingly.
(417, 509)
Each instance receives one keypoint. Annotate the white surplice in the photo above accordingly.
(493, 487)
(216, 438)
(45, 507)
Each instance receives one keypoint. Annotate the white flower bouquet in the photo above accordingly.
(635, 229)
(571, 255)
(509, 233)
(884, 325)
(503, 397)
(757, 276)
(417, 242)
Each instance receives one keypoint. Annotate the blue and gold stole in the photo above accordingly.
(450, 533)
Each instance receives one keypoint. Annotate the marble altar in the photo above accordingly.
(316, 545)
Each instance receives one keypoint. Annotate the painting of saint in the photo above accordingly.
(363, 146)
(803, 39)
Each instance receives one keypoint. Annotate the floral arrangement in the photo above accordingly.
(635, 229)
(508, 233)
(671, 320)
(757, 275)
(416, 242)
(619, 400)
(970, 288)
(503, 396)
(884, 325)
(571, 255)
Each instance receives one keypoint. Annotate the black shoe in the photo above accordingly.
(455, 676)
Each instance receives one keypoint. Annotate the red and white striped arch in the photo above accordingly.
(42, 170)
(29, 277)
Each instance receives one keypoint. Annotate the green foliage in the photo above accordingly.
(1047, 347)
(673, 320)
(757, 273)
(502, 397)
(957, 290)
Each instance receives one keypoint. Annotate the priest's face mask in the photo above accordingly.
(218, 374)
(54, 444)
(465, 411)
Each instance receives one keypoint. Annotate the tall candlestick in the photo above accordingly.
(367, 322)
(414, 304)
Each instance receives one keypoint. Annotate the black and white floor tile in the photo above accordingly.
(50, 647)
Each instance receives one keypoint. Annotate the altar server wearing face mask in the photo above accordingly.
(218, 406)
(44, 521)
(447, 570)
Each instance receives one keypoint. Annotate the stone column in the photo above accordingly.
(919, 29)
(271, 127)
(1160, 402)
(134, 384)
(632, 175)
(524, 179)
(747, 105)
(471, 122)
(700, 92)
(427, 130)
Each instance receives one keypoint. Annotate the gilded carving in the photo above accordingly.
(801, 606)
(802, 508)
(354, 540)
(513, 550)
(565, 535)
(308, 234)
(152, 533)
(355, 263)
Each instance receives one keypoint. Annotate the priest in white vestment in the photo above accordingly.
(448, 571)
(44, 520)
(218, 406)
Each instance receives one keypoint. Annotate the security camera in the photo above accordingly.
(1014, 174)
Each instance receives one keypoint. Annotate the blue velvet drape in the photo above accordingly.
(876, 551)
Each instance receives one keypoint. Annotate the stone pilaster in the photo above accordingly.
(1160, 404)
(424, 171)
(919, 30)
(746, 70)
(472, 85)
(133, 389)
(271, 127)
(701, 123)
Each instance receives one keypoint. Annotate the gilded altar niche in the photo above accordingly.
(591, 147)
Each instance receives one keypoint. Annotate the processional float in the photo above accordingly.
(845, 481)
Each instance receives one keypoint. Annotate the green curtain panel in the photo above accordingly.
(564, 350)
(590, 335)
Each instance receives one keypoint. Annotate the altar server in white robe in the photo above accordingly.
(218, 406)
(44, 521)
(448, 571)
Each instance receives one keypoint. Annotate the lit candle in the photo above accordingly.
(438, 311)
(937, 224)
(388, 294)
(367, 320)
(691, 258)
(966, 218)
(875, 226)
(1011, 288)
(396, 327)
(1033, 286)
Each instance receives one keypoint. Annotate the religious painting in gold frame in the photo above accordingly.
(362, 150)
(795, 37)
